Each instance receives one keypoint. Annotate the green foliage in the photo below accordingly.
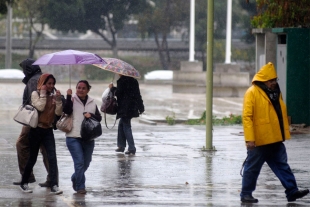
(279, 13)
(16, 59)
(230, 120)
(247, 55)
(170, 119)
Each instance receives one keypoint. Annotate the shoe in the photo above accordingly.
(31, 180)
(120, 149)
(130, 152)
(25, 188)
(298, 194)
(45, 184)
(82, 191)
(55, 190)
(248, 199)
(73, 185)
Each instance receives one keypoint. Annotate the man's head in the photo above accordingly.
(28, 68)
(272, 83)
(268, 75)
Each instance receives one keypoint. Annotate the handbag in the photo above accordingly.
(109, 102)
(90, 129)
(65, 123)
(27, 115)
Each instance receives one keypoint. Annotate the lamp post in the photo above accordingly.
(8, 44)
(192, 32)
(228, 32)
(209, 74)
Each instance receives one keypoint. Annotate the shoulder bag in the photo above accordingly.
(109, 103)
(65, 123)
(27, 115)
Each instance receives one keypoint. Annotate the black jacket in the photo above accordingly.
(129, 100)
(32, 75)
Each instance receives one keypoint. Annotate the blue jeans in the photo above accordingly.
(276, 158)
(81, 153)
(125, 134)
(38, 136)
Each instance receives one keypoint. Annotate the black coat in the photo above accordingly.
(32, 75)
(129, 100)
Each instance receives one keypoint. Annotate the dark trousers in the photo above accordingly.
(37, 137)
(276, 158)
(125, 134)
(23, 152)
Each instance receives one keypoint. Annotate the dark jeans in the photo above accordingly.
(23, 152)
(125, 134)
(81, 153)
(276, 157)
(38, 136)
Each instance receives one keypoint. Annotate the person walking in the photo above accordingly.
(266, 127)
(130, 104)
(48, 105)
(32, 75)
(80, 106)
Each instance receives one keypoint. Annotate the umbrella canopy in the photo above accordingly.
(69, 57)
(118, 66)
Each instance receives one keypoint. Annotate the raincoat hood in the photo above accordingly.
(267, 72)
(28, 69)
(43, 78)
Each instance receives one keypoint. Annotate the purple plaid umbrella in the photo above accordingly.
(120, 67)
(69, 57)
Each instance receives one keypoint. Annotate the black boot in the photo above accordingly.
(248, 199)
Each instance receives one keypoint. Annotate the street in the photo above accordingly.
(169, 168)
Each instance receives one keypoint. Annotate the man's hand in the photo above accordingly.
(250, 145)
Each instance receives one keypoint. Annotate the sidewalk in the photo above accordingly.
(169, 168)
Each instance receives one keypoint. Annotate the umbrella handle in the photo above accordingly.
(70, 76)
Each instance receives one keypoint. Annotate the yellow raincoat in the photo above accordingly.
(260, 120)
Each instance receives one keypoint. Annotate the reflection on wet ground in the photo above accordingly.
(169, 168)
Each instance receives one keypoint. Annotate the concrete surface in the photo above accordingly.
(169, 168)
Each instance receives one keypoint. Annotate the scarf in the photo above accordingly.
(274, 97)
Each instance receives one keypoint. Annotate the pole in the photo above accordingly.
(228, 32)
(209, 74)
(192, 32)
(8, 44)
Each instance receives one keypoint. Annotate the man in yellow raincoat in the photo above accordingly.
(266, 127)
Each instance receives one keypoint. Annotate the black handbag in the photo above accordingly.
(109, 104)
(90, 129)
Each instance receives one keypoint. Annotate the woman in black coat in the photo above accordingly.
(130, 104)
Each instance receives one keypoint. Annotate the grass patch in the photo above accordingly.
(227, 120)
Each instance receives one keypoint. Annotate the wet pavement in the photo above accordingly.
(169, 168)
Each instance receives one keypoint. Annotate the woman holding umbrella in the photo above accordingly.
(80, 105)
(130, 104)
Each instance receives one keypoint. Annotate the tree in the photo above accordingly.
(3, 5)
(159, 18)
(282, 13)
(220, 18)
(99, 16)
(31, 11)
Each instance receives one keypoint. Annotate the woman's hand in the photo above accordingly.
(43, 87)
(58, 94)
(87, 115)
(111, 85)
(69, 91)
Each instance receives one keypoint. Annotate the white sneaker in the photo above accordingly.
(25, 188)
(55, 190)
